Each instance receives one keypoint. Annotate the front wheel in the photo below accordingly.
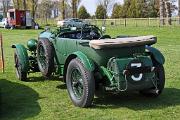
(80, 84)
(160, 83)
(18, 66)
(45, 57)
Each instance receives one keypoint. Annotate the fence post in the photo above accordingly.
(125, 22)
(148, 22)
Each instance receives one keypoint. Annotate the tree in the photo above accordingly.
(33, 7)
(107, 4)
(166, 9)
(153, 8)
(179, 10)
(5, 5)
(82, 13)
(133, 9)
(117, 11)
(45, 8)
(75, 4)
(63, 9)
(100, 12)
(125, 8)
(16, 4)
(24, 4)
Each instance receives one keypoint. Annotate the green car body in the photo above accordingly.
(131, 68)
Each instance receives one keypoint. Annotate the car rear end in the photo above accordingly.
(126, 65)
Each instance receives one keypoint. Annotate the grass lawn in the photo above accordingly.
(48, 99)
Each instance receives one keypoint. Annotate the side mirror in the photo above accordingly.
(103, 29)
(73, 28)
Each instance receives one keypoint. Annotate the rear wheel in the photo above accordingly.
(80, 84)
(159, 83)
(18, 66)
(45, 57)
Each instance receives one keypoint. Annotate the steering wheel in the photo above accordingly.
(95, 32)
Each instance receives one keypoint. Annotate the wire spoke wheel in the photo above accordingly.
(42, 57)
(80, 83)
(18, 68)
(77, 83)
(45, 57)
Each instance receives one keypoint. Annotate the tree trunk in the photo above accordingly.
(74, 8)
(162, 21)
(24, 4)
(18, 6)
(179, 10)
(63, 9)
(168, 13)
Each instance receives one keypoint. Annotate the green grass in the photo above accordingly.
(48, 99)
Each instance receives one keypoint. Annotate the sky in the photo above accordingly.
(91, 5)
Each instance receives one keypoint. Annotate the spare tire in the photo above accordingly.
(45, 57)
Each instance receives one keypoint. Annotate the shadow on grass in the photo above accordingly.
(169, 97)
(62, 86)
(42, 79)
(17, 101)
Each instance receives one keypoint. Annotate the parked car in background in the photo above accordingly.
(4, 23)
(72, 22)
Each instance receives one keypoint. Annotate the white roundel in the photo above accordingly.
(138, 77)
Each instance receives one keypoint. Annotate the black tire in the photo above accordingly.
(85, 83)
(46, 66)
(18, 66)
(160, 73)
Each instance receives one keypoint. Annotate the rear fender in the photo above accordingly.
(23, 56)
(88, 64)
(156, 54)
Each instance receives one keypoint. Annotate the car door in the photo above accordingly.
(60, 45)
(64, 47)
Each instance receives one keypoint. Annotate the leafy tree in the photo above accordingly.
(133, 9)
(75, 4)
(45, 8)
(117, 11)
(125, 8)
(82, 13)
(100, 12)
(5, 6)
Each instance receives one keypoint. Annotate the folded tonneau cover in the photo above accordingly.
(123, 42)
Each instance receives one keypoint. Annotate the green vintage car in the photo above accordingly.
(89, 60)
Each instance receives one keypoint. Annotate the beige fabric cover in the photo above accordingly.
(123, 42)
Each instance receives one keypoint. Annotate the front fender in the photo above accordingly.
(23, 56)
(156, 54)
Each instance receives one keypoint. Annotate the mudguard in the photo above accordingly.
(156, 54)
(89, 64)
(23, 56)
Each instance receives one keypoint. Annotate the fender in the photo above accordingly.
(23, 56)
(156, 54)
(88, 64)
